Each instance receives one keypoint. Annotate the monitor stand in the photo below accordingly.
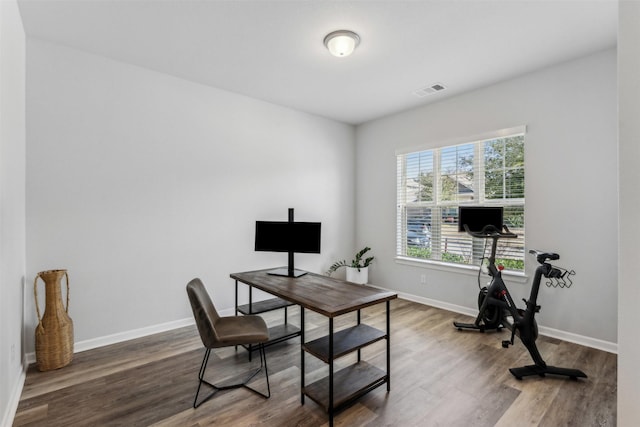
(289, 271)
(285, 272)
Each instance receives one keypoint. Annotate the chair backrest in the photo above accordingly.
(204, 312)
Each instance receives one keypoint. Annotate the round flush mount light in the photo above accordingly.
(341, 43)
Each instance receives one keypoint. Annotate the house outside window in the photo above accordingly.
(433, 183)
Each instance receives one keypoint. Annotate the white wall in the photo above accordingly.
(12, 206)
(571, 198)
(629, 177)
(139, 181)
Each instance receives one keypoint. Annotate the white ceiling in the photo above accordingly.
(273, 50)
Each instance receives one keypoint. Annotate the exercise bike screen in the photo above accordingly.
(478, 217)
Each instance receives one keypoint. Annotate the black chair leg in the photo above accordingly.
(201, 380)
(216, 388)
(263, 362)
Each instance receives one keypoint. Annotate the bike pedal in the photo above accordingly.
(506, 344)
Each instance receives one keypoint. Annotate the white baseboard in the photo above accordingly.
(130, 335)
(607, 346)
(92, 343)
(14, 398)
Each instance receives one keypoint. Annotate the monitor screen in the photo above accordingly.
(476, 217)
(282, 236)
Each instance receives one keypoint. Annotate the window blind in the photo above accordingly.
(433, 183)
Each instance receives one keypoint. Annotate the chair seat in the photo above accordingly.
(238, 330)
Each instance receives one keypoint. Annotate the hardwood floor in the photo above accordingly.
(439, 377)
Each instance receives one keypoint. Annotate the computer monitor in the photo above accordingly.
(288, 236)
(280, 236)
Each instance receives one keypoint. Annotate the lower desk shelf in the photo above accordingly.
(277, 333)
(282, 332)
(264, 306)
(349, 384)
(344, 342)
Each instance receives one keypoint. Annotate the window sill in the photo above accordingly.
(470, 270)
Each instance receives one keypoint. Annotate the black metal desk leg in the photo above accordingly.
(250, 312)
(358, 324)
(236, 347)
(301, 355)
(388, 347)
(331, 372)
(236, 300)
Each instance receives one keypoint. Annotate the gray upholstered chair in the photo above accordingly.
(216, 331)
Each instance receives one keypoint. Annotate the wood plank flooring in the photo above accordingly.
(439, 377)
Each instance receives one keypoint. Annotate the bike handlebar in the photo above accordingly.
(545, 269)
(542, 257)
(491, 232)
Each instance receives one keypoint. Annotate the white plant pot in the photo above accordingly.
(360, 277)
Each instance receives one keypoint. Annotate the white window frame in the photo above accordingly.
(436, 205)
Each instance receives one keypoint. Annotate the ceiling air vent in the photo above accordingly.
(436, 87)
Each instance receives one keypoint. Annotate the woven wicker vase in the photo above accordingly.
(54, 333)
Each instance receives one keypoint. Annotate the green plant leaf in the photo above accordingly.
(335, 266)
(355, 263)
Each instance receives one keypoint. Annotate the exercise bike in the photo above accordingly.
(497, 309)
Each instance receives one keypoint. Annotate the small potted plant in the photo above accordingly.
(357, 270)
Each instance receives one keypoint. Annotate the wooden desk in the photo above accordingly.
(331, 298)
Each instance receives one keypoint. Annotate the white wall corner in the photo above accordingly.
(14, 398)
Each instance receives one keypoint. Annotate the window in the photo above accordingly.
(433, 183)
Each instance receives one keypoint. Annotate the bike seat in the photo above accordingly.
(541, 257)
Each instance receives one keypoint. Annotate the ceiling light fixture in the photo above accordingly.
(342, 43)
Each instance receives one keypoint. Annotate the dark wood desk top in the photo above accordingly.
(325, 295)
